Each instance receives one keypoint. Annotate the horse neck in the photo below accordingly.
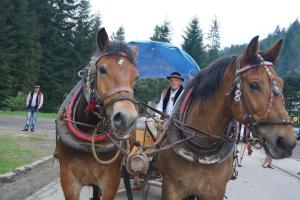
(214, 113)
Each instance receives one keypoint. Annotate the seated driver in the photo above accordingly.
(167, 101)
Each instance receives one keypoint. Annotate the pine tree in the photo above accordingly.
(26, 60)
(57, 70)
(84, 37)
(213, 38)
(162, 33)
(6, 51)
(119, 35)
(193, 41)
(68, 40)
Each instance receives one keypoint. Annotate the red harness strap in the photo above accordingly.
(91, 106)
(185, 101)
(77, 132)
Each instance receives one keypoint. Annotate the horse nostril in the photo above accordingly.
(119, 119)
(280, 143)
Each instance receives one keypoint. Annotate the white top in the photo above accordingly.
(33, 102)
(170, 105)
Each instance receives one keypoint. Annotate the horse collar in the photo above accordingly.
(209, 154)
(185, 102)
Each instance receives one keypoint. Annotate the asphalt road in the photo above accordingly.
(253, 183)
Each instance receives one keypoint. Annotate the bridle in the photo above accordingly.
(101, 102)
(248, 118)
(113, 95)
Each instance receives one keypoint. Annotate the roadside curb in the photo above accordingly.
(284, 169)
(9, 175)
(287, 171)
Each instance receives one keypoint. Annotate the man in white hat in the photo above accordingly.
(34, 102)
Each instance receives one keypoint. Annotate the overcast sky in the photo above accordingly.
(239, 20)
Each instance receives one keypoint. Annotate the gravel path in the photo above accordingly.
(26, 184)
(42, 141)
(17, 123)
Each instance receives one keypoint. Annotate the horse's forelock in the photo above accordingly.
(266, 57)
(114, 48)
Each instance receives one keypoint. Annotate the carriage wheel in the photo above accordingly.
(145, 192)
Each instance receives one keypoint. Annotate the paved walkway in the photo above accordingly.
(256, 182)
(253, 183)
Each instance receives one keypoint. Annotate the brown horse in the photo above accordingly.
(244, 88)
(104, 95)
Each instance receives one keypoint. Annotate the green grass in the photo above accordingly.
(12, 155)
(23, 113)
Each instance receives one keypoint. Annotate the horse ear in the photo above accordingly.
(252, 47)
(102, 39)
(134, 50)
(274, 51)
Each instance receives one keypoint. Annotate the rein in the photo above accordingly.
(153, 109)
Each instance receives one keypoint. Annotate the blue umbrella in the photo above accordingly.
(158, 59)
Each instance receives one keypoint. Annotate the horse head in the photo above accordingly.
(259, 101)
(115, 75)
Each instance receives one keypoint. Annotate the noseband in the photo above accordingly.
(248, 117)
(113, 95)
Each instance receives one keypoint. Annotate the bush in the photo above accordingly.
(17, 103)
(150, 89)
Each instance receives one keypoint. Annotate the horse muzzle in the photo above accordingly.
(123, 125)
(279, 143)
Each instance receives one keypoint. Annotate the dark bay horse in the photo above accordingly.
(102, 100)
(245, 88)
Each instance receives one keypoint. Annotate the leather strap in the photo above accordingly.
(126, 180)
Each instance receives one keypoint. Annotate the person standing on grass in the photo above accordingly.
(34, 103)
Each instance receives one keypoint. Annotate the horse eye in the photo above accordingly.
(254, 86)
(102, 70)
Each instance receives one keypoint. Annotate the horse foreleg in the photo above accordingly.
(170, 191)
(110, 186)
(70, 186)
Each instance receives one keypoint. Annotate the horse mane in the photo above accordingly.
(115, 48)
(207, 82)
